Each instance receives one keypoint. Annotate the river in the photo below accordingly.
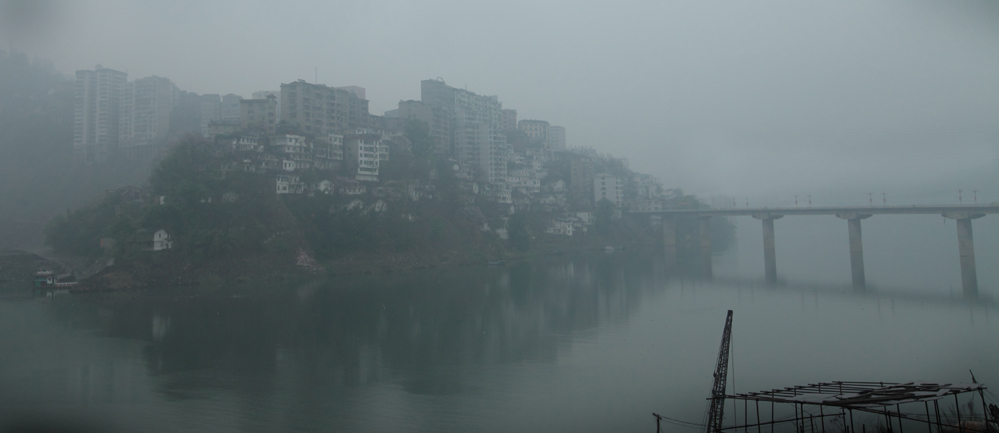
(580, 344)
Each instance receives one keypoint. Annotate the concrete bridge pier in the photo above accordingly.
(966, 249)
(856, 246)
(769, 249)
(704, 229)
(669, 241)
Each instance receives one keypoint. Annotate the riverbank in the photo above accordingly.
(257, 273)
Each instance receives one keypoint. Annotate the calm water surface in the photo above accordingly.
(571, 344)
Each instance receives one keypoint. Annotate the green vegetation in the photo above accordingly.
(214, 215)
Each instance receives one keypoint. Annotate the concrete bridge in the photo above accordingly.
(852, 214)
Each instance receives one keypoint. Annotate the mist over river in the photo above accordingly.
(575, 343)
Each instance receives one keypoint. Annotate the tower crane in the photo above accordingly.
(716, 412)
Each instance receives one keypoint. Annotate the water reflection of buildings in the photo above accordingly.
(294, 361)
(423, 327)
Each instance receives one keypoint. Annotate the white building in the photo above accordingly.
(161, 240)
(295, 151)
(289, 184)
(537, 130)
(146, 106)
(610, 187)
(560, 226)
(246, 144)
(556, 138)
(362, 155)
(96, 112)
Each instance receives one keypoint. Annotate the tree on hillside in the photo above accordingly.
(520, 232)
(418, 133)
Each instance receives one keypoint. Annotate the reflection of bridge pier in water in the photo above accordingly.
(853, 215)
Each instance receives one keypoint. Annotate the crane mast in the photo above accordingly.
(717, 411)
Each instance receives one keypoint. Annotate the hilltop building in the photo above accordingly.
(467, 125)
(536, 130)
(508, 119)
(556, 138)
(229, 108)
(259, 114)
(320, 110)
(146, 106)
(96, 112)
(263, 94)
(610, 187)
(363, 152)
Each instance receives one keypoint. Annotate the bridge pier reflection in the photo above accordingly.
(669, 241)
(704, 228)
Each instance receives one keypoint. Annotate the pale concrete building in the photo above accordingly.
(508, 119)
(416, 110)
(146, 106)
(295, 151)
(328, 155)
(230, 109)
(259, 114)
(262, 94)
(361, 153)
(161, 240)
(97, 112)
(610, 187)
(537, 130)
(320, 110)
(211, 111)
(556, 138)
(470, 126)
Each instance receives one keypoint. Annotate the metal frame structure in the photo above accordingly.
(841, 399)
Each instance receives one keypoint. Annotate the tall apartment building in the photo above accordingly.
(610, 187)
(230, 110)
(259, 114)
(363, 152)
(146, 106)
(469, 125)
(262, 94)
(211, 111)
(508, 119)
(556, 138)
(320, 110)
(537, 130)
(415, 110)
(96, 112)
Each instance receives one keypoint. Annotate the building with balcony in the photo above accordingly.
(361, 155)
(609, 187)
(259, 114)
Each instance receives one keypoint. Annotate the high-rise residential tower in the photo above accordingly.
(556, 138)
(319, 110)
(96, 112)
(146, 106)
(469, 126)
(537, 130)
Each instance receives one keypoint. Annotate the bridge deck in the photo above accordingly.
(830, 210)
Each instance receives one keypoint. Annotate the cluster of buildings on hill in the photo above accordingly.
(306, 126)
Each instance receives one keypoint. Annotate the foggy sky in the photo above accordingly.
(742, 98)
